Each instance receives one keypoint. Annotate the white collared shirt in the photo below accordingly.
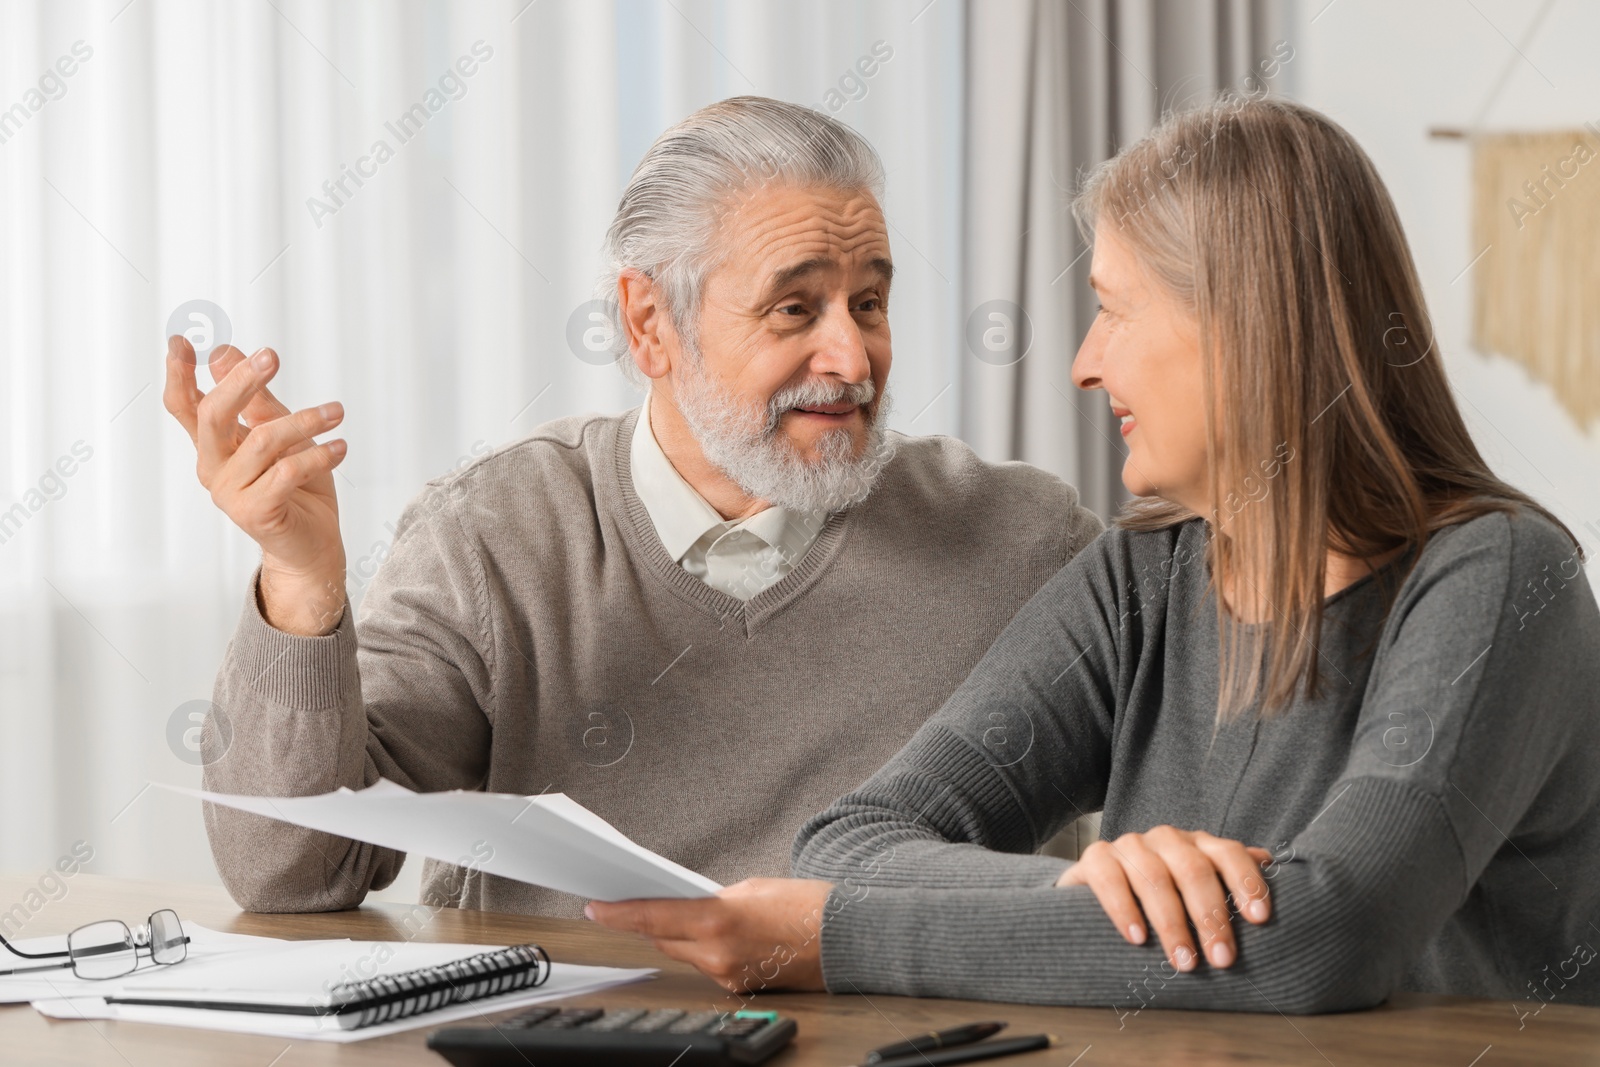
(740, 558)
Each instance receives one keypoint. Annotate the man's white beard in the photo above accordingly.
(750, 448)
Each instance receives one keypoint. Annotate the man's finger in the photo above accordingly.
(219, 427)
(182, 396)
(264, 406)
(267, 493)
(264, 445)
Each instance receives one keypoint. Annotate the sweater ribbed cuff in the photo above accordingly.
(302, 673)
(861, 923)
(862, 936)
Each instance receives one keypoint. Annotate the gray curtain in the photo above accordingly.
(1053, 88)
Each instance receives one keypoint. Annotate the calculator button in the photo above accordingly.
(656, 1020)
(693, 1024)
(615, 1020)
(570, 1018)
(528, 1018)
(740, 1027)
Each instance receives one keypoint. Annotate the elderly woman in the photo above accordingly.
(1327, 674)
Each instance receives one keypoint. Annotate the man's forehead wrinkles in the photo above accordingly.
(767, 238)
(781, 250)
(810, 226)
(780, 247)
(791, 212)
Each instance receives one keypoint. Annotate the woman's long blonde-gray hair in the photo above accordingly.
(1330, 423)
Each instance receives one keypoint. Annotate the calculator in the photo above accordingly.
(623, 1037)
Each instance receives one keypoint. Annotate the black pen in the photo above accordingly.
(956, 1035)
(982, 1050)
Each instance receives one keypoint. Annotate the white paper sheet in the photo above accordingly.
(549, 840)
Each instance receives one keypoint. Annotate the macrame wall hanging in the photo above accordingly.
(1536, 291)
(1536, 234)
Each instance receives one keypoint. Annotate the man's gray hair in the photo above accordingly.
(688, 181)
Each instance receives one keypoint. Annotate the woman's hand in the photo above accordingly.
(762, 933)
(1178, 876)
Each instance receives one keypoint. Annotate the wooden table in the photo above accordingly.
(1454, 1031)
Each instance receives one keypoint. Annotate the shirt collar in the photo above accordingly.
(790, 532)
(682, 516)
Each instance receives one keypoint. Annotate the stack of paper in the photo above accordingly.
(263, 970)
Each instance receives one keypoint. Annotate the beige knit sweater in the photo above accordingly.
(529, 633)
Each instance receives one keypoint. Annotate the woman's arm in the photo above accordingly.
(1369, 881)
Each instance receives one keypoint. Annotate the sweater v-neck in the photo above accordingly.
(639, 534)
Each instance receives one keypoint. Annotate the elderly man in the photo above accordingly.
(703, 618)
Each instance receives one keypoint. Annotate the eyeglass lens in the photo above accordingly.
(102, 950)
(110, 950)
(167, 943)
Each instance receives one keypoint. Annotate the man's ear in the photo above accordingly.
(652, 342)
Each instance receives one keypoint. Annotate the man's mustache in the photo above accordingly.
(815, 392)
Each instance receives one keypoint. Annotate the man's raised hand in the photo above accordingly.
(264, 470)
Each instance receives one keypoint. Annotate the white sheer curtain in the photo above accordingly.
(176, 162)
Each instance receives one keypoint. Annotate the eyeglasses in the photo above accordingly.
(109, 949)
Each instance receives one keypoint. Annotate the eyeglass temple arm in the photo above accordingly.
(36, 970)
(29, 955)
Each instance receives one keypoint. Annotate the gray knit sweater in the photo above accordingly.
(1436, 810)
(529, 634)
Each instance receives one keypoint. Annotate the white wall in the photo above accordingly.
(1388, 72)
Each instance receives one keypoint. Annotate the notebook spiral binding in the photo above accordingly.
(398, 996)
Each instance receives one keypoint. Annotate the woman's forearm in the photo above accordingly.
(1349, 912)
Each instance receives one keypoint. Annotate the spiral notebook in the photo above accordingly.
(382, 998)
(328, 990)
